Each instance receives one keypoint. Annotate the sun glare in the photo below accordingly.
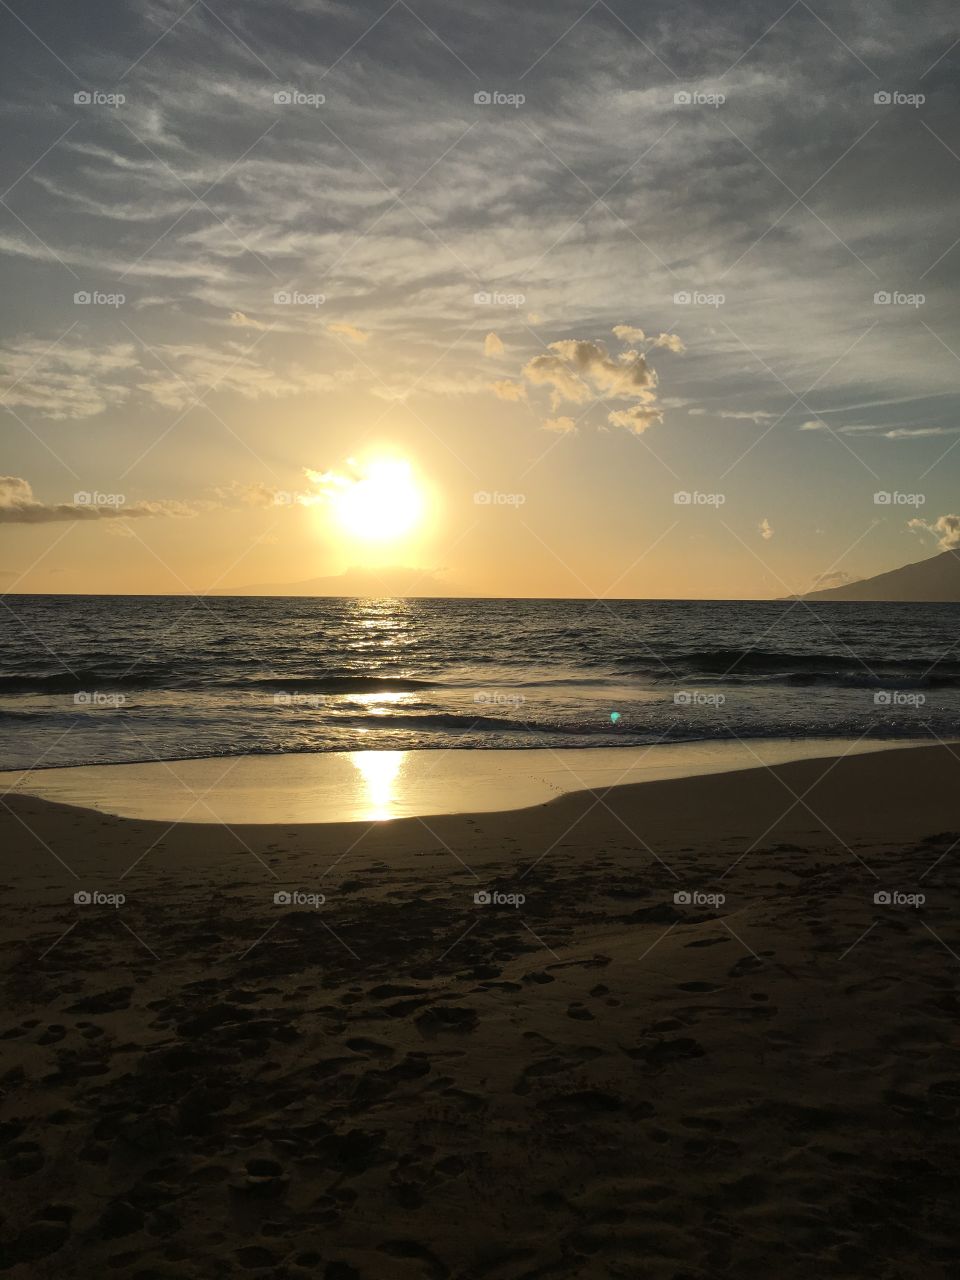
(383, 504)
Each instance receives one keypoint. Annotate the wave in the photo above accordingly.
(104, 680)
(733, 666)
(339, 684)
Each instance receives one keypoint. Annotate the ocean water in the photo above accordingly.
(108, 679)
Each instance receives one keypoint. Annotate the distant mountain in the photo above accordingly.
(936, 580)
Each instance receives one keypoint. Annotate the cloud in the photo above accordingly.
(765, 529)
(945, 528)
(578, 370)
(553, 372)
(505, 389)
(910, 433)
(636, 419)
(561, 425)
(668, 341)
(66, 380)
(19, 506)
(243, 321)
(741, 415)
(346, 330)
(492, 346)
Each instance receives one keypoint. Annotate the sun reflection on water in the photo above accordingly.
(378, 772)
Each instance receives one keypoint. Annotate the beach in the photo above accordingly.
(665, 1029)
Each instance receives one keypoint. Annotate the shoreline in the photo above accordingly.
(385, 785)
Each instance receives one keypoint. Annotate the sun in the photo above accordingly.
(382, 503)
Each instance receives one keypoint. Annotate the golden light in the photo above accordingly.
(383, 504)
(378, 771)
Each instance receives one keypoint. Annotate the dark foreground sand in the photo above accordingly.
(405, 1084)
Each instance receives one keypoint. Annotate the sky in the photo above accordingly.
(571, 299)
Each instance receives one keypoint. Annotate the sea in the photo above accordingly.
(110, 679)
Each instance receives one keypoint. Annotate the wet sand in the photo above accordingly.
(601, 1080)
(374, 786)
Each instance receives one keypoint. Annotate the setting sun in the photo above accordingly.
(383, 504)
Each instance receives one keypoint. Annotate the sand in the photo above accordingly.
(599, 1081)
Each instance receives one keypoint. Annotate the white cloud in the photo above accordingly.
(765, 529)
(579, 370)
(506, 389)
(492, 346)
(65, 381)
(945, 528)
(740, 415)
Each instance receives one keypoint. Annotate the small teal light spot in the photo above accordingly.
(614, 716)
